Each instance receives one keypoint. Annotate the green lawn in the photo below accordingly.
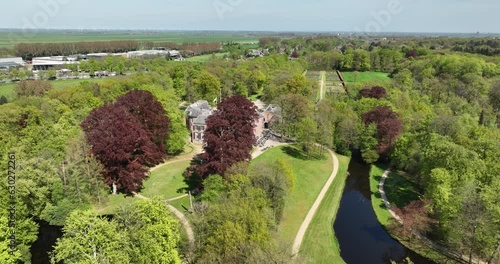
(6, 89)
(207, 57)
(320, 244)
(166, 181)
(381, 211)
(310, 177)
(359, 77)
(400, 190)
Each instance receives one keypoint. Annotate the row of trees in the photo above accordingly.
(30, 50)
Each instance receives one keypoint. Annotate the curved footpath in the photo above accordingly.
(305, 224)
(437, 247)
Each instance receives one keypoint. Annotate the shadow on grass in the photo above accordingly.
(295, 152)
(400, 191)
(191, 179)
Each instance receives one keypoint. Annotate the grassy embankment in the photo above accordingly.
(400, 191)
(319, 244)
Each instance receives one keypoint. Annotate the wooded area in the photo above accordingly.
(436, 118)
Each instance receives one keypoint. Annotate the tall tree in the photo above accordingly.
(149, 112)
(91, 239)
(152, 231)
(229, 136)
(388, 126)
(32, 88)
(119, 141)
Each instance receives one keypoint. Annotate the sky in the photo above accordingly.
(453, 16)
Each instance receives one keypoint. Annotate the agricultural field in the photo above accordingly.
(207, 57)
(359, 77)
(316, 76)
(9, 39)
(333, 84)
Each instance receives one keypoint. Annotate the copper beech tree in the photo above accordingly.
(229, 137)
(127, 137)
(388, 125)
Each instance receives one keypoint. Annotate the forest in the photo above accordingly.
(436, 118)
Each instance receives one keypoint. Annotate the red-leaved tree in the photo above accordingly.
(229, 136)
(123, 144)
(150, 113)
(389, 126)
(376, 92)
(414, 217)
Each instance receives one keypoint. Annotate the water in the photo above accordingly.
(47, 236)
(361, 237)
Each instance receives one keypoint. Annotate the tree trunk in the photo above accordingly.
(114, 188)
(494, 252)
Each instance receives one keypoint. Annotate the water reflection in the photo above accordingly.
(361, 237)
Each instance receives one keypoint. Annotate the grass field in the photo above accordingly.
(6, 89)
(164, 182)
(359, 77)
(381, 211)
(310, 177)
(207, 57)
(8, 39)
(320, 244)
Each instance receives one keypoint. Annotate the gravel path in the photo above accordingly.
(303, 228)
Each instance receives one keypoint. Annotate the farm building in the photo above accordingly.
(44, 63)
(6, 63)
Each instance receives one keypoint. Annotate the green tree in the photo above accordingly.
(207, 86)
(91, 239)
(152, 231)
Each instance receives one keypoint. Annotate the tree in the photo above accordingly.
(32, 88)
(494, 96)
(277, 180)
(152, 231)
(229, 136)
(376, 92)
(307, 130)
(415, 218)
(150, 113)
(388, 127)
(207, 86)
(89, 238)
(122, 145)
(3, 100)
(297, 84)
(293, 108)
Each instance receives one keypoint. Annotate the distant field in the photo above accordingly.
(207, 57)
(8, 39)
(358, 77)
